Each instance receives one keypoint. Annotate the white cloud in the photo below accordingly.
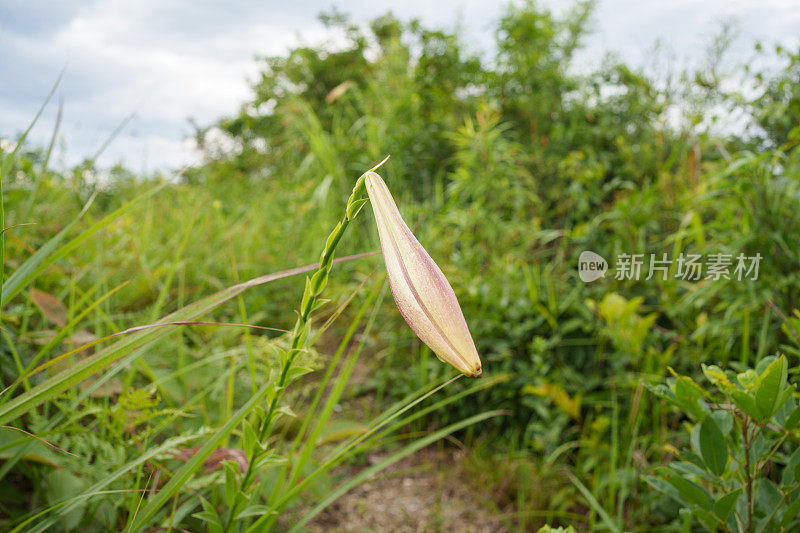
(118, 65)
(168, 61)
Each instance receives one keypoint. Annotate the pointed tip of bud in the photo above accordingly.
(422, 293)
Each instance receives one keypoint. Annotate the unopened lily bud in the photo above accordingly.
(425, 298)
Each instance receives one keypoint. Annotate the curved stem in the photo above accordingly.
(313, 288)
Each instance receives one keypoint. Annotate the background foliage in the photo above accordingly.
(508, 165)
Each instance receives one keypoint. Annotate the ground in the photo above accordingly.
(428, 491)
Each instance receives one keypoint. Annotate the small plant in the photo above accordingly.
(741, 472)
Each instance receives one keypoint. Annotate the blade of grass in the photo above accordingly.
(187, 470)
(50, 252)
(336, 456)
(335, 394)
(60, 335)
(593, 503)
(59, 383)
(43, 171)
(323, 384)
(475, 386)
(4, 168)
(115, 475)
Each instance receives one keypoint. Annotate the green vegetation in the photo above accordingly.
(661, 404)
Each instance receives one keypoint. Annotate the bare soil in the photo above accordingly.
(428, 491)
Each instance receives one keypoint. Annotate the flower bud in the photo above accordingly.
(425, 298)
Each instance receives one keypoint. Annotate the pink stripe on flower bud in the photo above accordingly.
(425, 298)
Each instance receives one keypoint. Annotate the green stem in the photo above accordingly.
(748, 478)
(314, 287)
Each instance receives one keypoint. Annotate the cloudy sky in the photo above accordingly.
(161, 63)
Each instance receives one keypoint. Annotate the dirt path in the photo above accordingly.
(425, 492)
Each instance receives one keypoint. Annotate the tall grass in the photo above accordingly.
(507, 169)
(54, 403)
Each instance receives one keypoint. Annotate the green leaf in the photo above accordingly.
(768, 497)
(709, 520)
(724, 421)
(787, 408)
(664, 487)
(354, 208)
(724, 505)
(791, 513)
(60, 485)
(792, 419)
(209, 516)
(791, 472)
(249, 438)
(769, 387)
(783, 398)
(746, 403)
(287, 410)
(716, 376)
(689, 394)
(748, 379)
(764, 363)
(269, 459)
(691, 492)
(231, 485)
(713, 448)
(690, 469)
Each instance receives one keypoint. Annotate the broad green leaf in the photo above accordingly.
(788, 406)
(770, 385)
(765, 362)
(662, 486)
(691, 492)
(717, 376)
(748, 379)
(791, 513)
(691, 457)
(689, 468)
(710, 521)
(664, 392)
(60, 484)
(209, 516)
(690, 394)
(768, 497)
(724, 505)
(746, 403)
(783, 397)
(792, 419)
(791, 472)
(724, 421)
(713, 448)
